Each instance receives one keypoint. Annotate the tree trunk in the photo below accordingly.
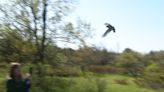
(42, 49)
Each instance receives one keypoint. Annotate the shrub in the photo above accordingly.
(101, 85)
(105, 69)
(67, 71)
(150, 82)
(121, 81)
(51, 84)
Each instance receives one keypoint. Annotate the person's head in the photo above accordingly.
(15, 72)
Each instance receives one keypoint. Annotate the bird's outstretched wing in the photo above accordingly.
(114, 30)
(107, 31)
(110, 28)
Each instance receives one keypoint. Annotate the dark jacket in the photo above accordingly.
(16, 86)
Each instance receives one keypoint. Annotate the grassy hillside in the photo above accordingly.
(112, 83)
(89, 83)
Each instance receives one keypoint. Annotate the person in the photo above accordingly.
(16, 83)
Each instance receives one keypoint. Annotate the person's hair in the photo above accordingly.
(12, 72)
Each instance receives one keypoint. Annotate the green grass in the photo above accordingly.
(111, 84)
(88, 83)
(130, 87)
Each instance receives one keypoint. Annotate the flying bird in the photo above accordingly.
(110, 28)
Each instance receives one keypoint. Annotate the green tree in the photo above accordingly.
(14, 48)
(82, 57)
(131, 61)
(153, 75)
(102, 56)
(42, 22)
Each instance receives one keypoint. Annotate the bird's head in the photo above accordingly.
(106, 24)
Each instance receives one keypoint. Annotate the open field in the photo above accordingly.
(91, 83)
(111, 84)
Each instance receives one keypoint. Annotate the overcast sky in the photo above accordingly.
(139, 23)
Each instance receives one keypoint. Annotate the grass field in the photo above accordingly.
(97, 83)
(112, 85)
